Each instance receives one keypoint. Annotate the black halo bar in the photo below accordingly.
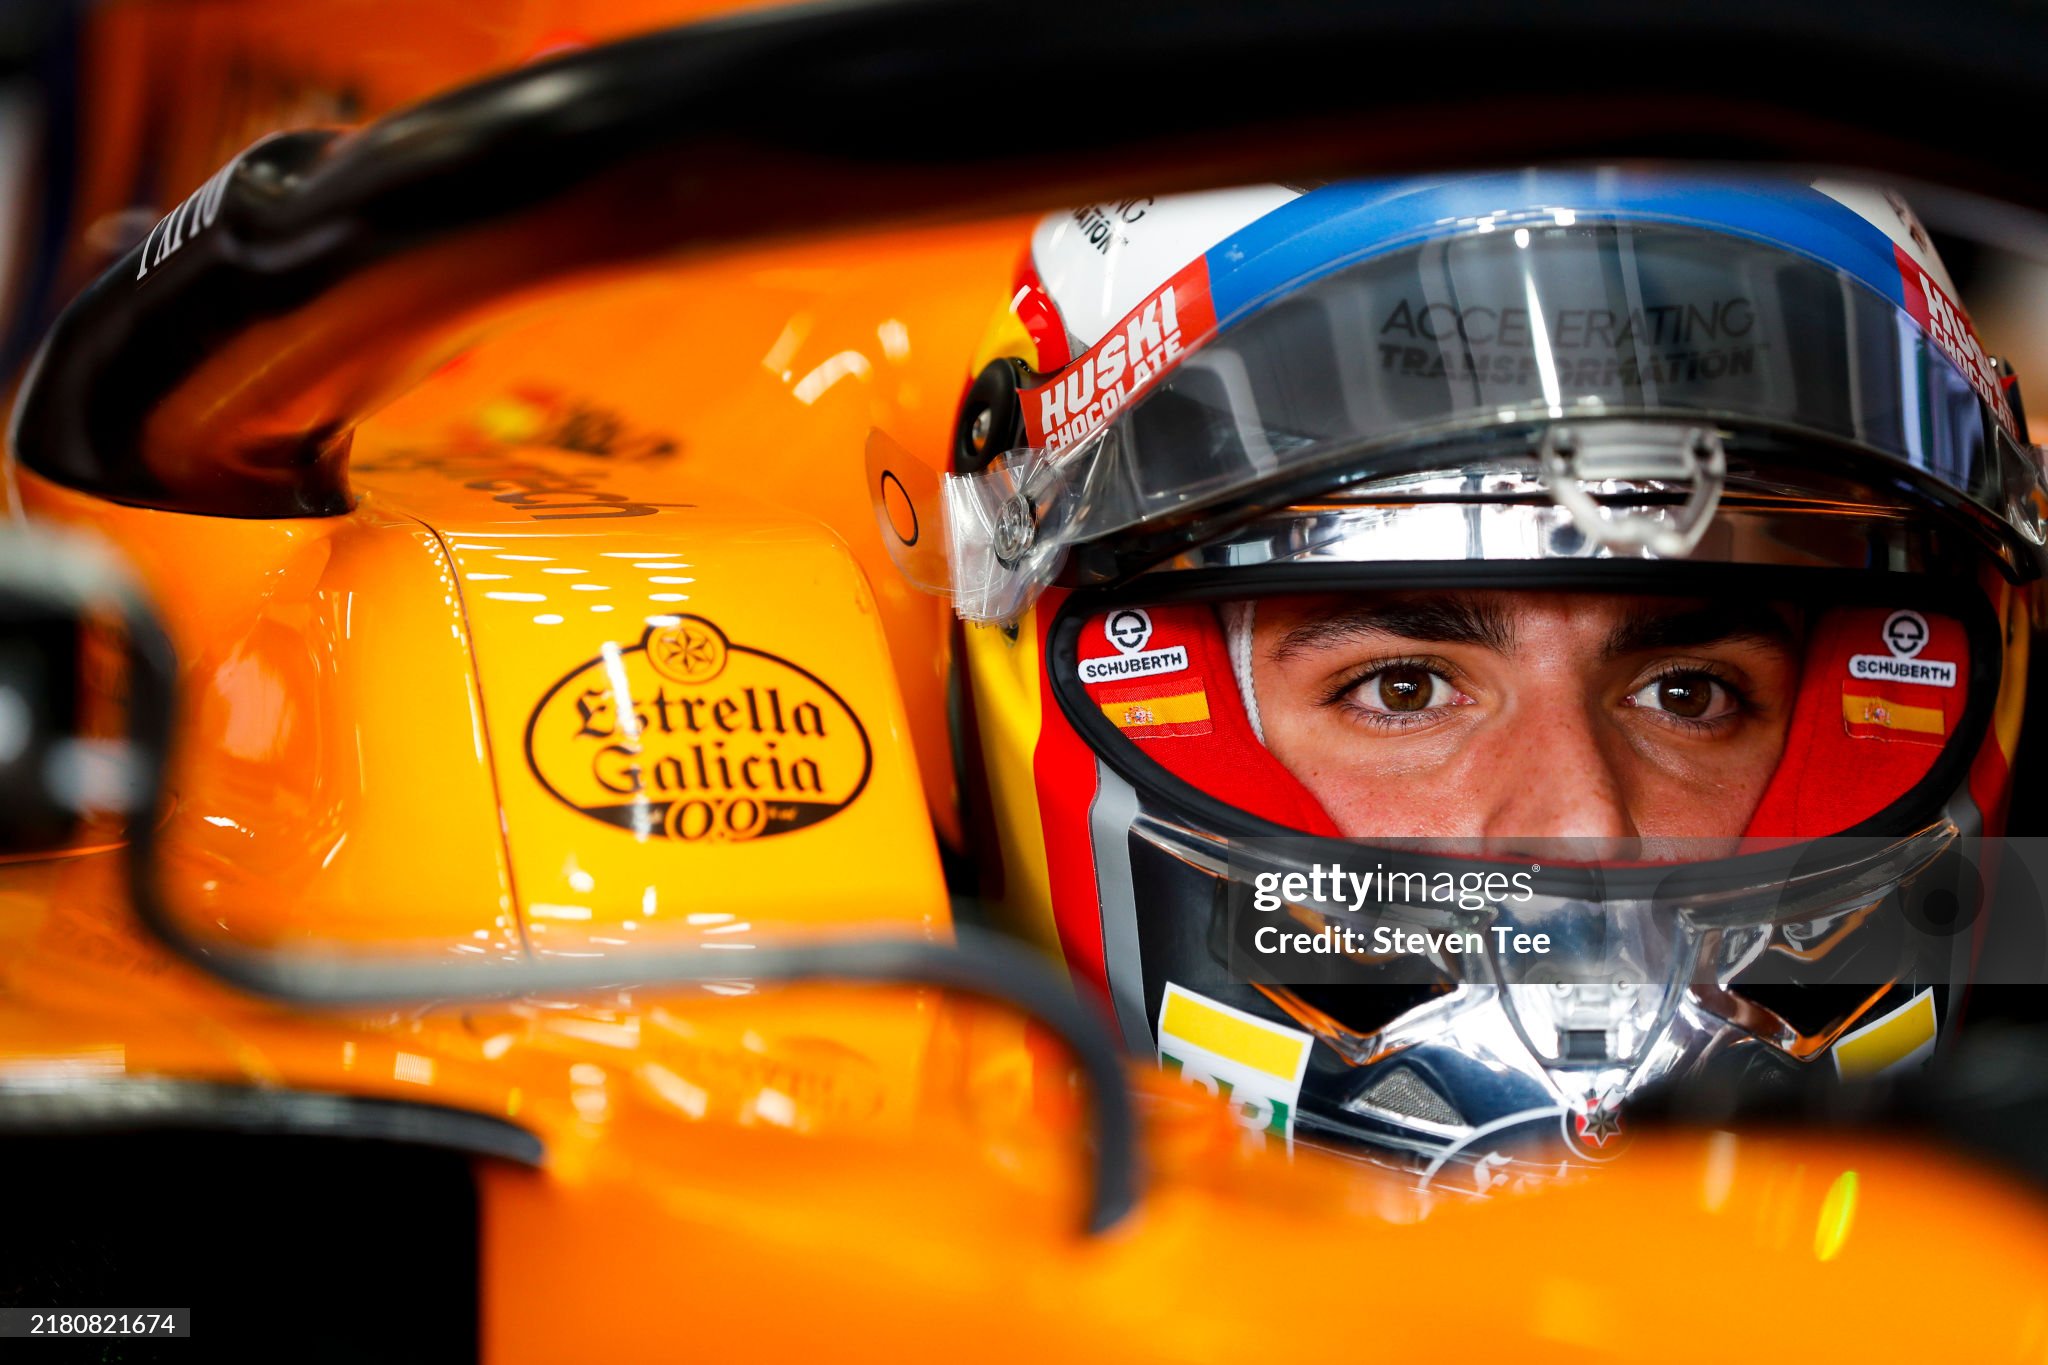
(323, 273)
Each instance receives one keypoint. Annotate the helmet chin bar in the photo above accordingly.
(1635, 987)
(1520, 1119)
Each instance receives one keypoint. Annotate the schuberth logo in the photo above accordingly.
(1905, 632)
(1905, 635)
(1129, 630)
(689, 736)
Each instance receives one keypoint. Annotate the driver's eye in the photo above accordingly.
(1688, 696)
(1403, 688)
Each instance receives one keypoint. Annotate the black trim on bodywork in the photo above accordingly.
(75, 1105)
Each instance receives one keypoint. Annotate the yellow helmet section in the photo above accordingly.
(1003, 680)
(1005, 339)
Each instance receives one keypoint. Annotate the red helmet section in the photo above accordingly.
(1869, 721)
(1870, 718)
(1040, 316)
(1191, 717)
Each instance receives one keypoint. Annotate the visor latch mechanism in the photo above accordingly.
(1016, 528)
(1580, 462)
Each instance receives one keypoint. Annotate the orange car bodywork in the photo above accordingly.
(400, 728)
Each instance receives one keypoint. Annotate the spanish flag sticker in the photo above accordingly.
(1255, 1064)
(1160, 712)
(1902, 1039)
(1872, 717)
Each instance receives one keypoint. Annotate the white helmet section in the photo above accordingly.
(1930, 295)
(1884, 210)
(1100, 261)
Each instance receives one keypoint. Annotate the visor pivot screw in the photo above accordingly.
(991, 417)
(1014, 530)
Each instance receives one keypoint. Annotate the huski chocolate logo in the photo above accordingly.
(689, 736)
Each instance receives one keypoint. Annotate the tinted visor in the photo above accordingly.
(1593, 320)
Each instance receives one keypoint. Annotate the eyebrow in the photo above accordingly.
(1436, 620)
(1463, 621)
(1721, 623)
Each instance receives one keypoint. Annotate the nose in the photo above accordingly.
(1557, 772)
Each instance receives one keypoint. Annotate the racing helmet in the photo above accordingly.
(1649, 421)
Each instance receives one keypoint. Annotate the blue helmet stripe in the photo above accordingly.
(1339, 225)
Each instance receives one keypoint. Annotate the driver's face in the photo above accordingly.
(1520, 715)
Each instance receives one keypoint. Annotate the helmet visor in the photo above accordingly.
(1354, 375)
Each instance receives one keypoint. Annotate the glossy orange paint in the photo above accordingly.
(774, 1178)
(518, 518)
(645, 498)
(1638, 1264)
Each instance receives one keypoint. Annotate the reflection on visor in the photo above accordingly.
(1590, 321)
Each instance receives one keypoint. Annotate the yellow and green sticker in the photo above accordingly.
(1254, 1064)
